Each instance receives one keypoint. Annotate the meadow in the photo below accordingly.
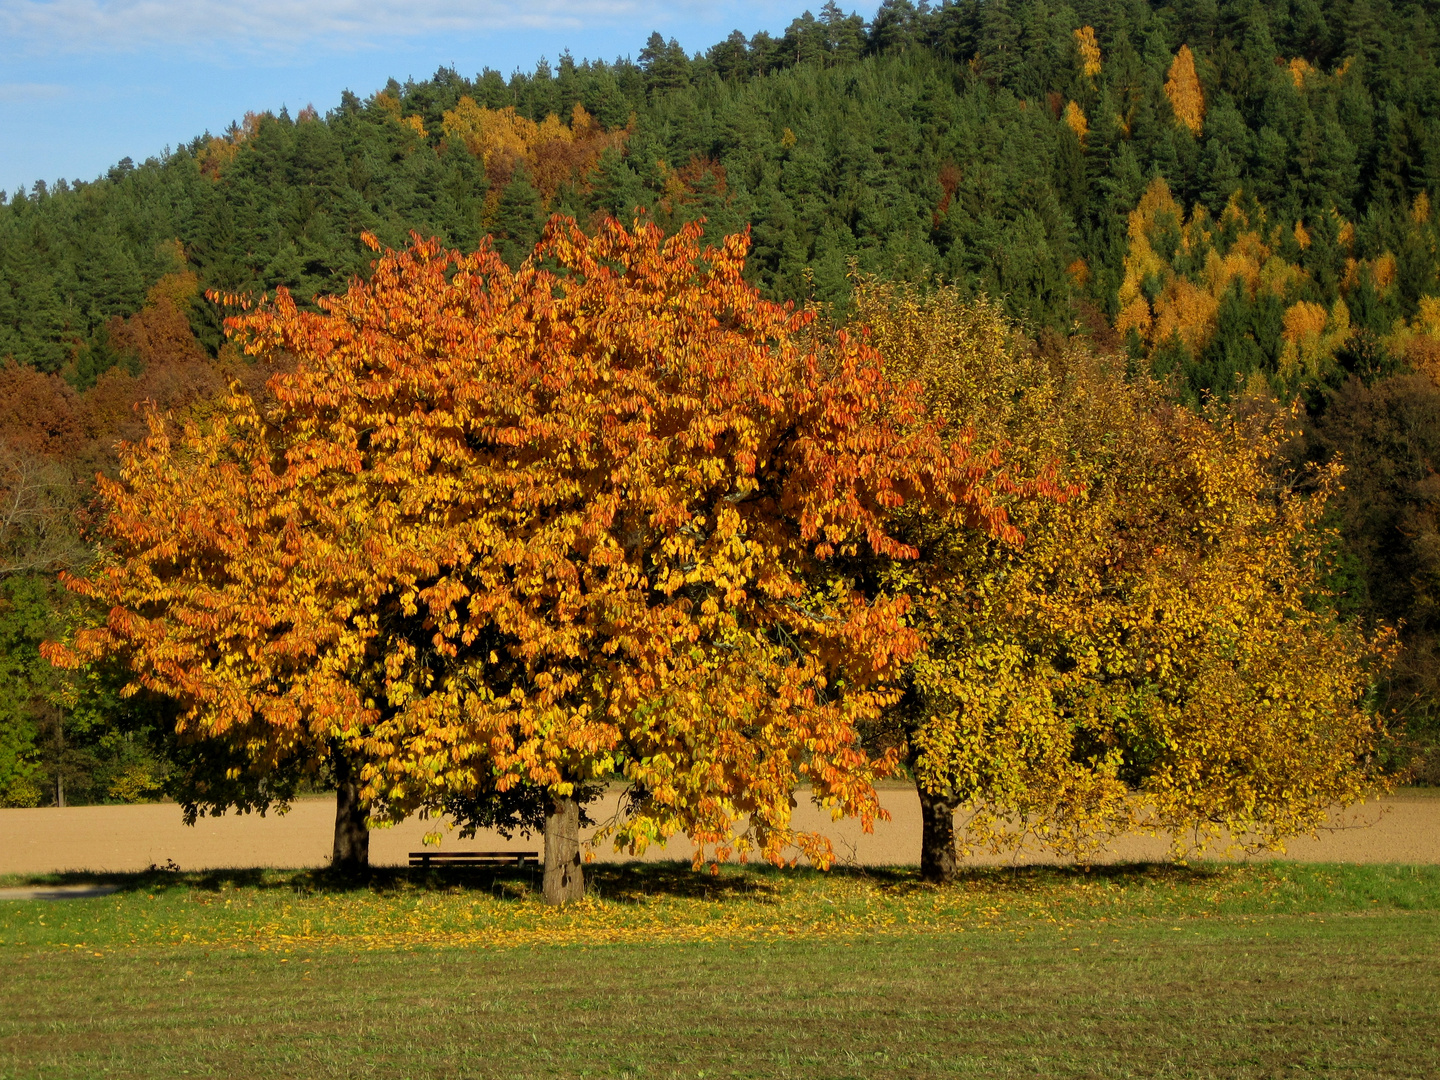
(1279, 969)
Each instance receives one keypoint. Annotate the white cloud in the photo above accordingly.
(20, 92)
(285, 26)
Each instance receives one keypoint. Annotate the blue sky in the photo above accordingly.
(84, 83)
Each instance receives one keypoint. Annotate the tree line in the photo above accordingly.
(998, 145)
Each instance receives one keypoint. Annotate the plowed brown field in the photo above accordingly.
(1401, 828)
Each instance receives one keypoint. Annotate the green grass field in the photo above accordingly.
(1235, 971)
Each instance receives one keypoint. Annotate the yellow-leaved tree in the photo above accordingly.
(1160, 652)
(1089, 51)
(1182, 87)
(552, 151)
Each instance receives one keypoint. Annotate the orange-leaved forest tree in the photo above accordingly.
(504, 534)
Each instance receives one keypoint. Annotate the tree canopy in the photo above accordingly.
(1163, 651)
(536, 528)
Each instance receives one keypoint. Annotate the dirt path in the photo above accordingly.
(1403, 828)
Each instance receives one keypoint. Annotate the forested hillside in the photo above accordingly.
(1002, 145)
(1240, 196)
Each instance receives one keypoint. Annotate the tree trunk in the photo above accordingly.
(352, 836)
(938, 860)
(60, 760)
(564, 876)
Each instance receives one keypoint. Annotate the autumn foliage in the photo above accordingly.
(506, 529)
(1089, 50)
(1162, 652)
(1177, 299)
(552, 151)
(1182, 87)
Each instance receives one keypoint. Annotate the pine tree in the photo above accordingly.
(518, 218)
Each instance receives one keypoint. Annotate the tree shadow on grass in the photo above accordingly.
(632, 882)
(509, 881)
(1028, 878)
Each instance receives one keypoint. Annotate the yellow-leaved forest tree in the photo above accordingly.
(1161, 652)
(496, 536)
(1182, 88)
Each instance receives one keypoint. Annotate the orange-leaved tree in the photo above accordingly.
(519, 531)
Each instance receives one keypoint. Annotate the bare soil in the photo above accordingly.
(1399, 828)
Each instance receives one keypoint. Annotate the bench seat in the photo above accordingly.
(427, 859)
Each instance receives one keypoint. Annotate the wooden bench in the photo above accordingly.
(427, 859)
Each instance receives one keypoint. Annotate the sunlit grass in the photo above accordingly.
(660, 903)
(1204, 971)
